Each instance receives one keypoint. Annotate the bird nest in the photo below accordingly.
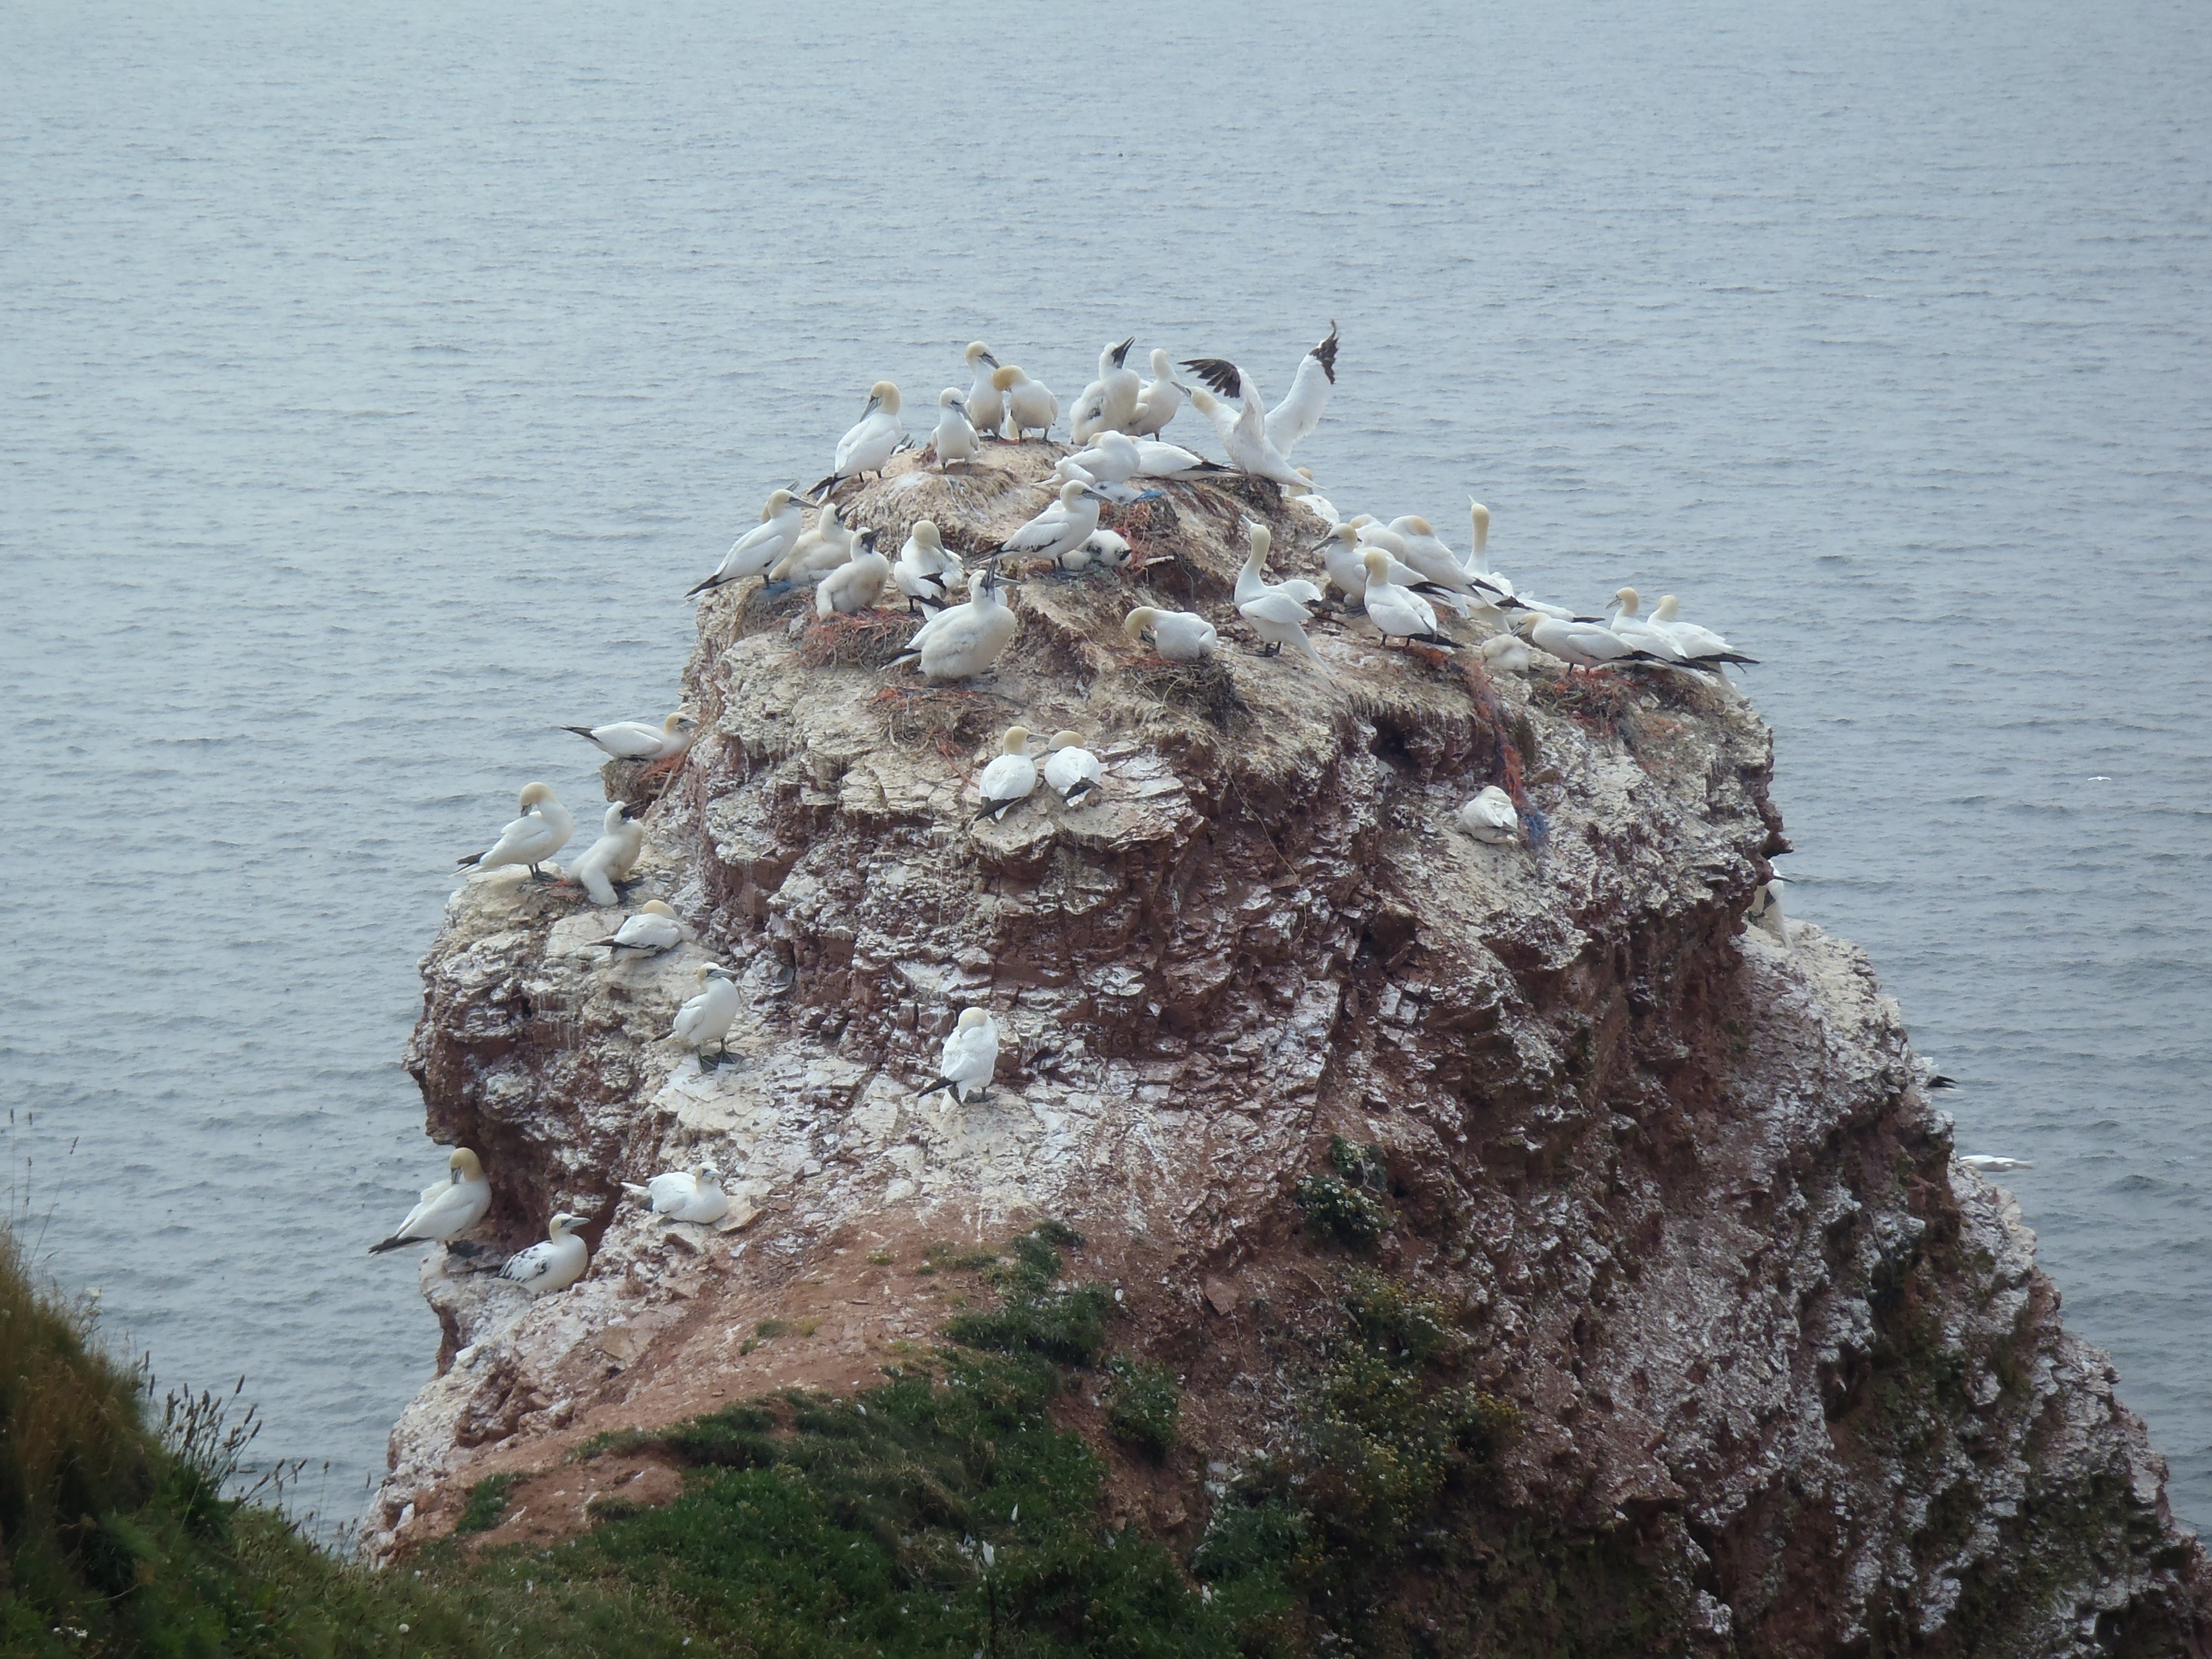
(1602, 701)
(860, 638)
(1206, 688)
(950, 721)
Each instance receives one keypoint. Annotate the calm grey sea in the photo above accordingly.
(374, 379)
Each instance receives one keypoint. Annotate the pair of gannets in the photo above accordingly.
(612, 857)
(1109, 403)
(962, 641)
(1278, 611)
(447, 1209)
(1344, 561)
(1070, 771)
(1177, 636)
(553, 1264)
(1062, 527)
(928, 570)
(764, 546)
(873, 440)
(707, 1017)
(1030, 404)
(653, 929)
(542, 829)
(1490, 817)
(955, 438)
(1668, 639)
(1115, 459)
(635, 740)
(692, 1195)
(970, 1058)
(855, 585)
(1258, 440)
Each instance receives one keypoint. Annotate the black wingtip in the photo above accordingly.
(1325, 353)
(464, 863)
(394, 1243)
(583, 731)
(694, 592)
(1218, 372)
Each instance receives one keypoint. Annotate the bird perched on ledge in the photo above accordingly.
(635, 740)
(692, 1195)
(448, 1207)
(708, 1017)
(554, 1265)
(1490, 817)
(970, 1058)
(653, 929)
(1009, 778)
(963, 641)
(1071, 770)
(873, 440)
(1177, 636)
(761, 548)
(542, 829)
(612, 857)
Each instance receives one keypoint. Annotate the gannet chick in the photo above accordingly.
(542, 829)
(855, 585)
(955, 439)
(1177, 636)
(1990, 1163)
(692, 1195)
(1071, 770)
(1030, 404)
(1765, 909)
(1398, 611)
(1120, 387)
(820, 549)
(1009, 776)
(1578, 644)
(635, 740)
(553, 1265)
(1490, 817)
(612, 857)
(1507, 654)
(1244, 432)
(1290, 421)
(1060, 528)
(448, 1207)
(1158, 399)
(985, 404)
(1252, 580)
(1281, 620)
(1695, 643)
(870, 444)
(927, 570)
(963, 641)
(763, 546)
(708, 1017)
(1107, 547)
(653, 929)
(970, 1059)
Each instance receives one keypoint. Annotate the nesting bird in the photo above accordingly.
(1578, 644)
(761, 548)
(612, 857)
(855, 585)
(1061, 527)
(653, 929)
(1030, 404)
(635, 740)
(692, 1195)
(1490, 817)
(820, 549)
(1072, 771)
(1009, 778)
(542, 829)
(553, 1265)
(970, 1060)
(1400, 612)
(447, 1209)
(1177, 636)
(927, 570)
(707, 1017)
(963, 641)
(872, 441)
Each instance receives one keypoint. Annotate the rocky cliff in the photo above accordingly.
(1783, 1377)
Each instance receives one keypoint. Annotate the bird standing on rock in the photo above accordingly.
(448, 1207)
(542, 829)
(985, 405)
(635, 740)
(963, 641)
(1177, 636)
(955, 438)
(1157, 400)
(855, 585)
(1399, 613)
(970, 1060)
(708, 1017)
(1030, 404)
(927, 570)
(761, 548)
(818, 550)
(553, 1265)
(1071, 770)
(873, 440)
(653, 929)
(1109, 403)
(1060, 528)
(612, 857)
(1009, 778)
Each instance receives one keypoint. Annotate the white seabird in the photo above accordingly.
(1507, 654)
(708, 1017)
(692, 1195)
(1435, 569)
(1490, 817)
(927, 570)
(955, 438)
(653, 929)
(1281, 620)
(1344, 560)
(1071, 770)
(963, 641)
(553, 1264)
(1061, 527)
(1030, 404)
(542, 829)
(827, 544)
(970, 1060)
(1291, 421)
(1243, 433)
(1105, 547)
(612, 857)
(1112, 405)
(448, 1208)
(855, 585)
(1578, 644)
(635, 740)
(1400, 612)
(1157, 400)
(985, 404)
(1177, 636)
(763, 546)
(1252, 579)
(1695, 643)
(1764, 910)
(873, 439)
(1639, 633)
(1009, 777)
(1990, 1164)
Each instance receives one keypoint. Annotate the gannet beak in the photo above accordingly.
(989, 359)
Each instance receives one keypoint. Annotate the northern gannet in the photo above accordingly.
(1156, 459)
(1158, 399)
(1245, 431)
(1641, 634)
(825, 545)
(1112, 459)
(653, 929)
(1764, 910)
(873, 439)
(1252, 579)
(1107, 547)
(970, 1059)
(1577, 644)
(635, 740)
(1030, 404)
(542, 829)
(1990, 1163)
(855, 585)
(1400, 612)
(1060, 528)
(553, 1264)
(763, 546)
(1490, 817)
(927, 570)
(708, 1017)
(1435, 569)
(692, 1195)
(1009, 776)
(1695, 643)
(955, 439)
(1291, 421)
(1071, 770)
(986, 404)
(962, 641)
(1507, 654)
(612, 857)
(448, 1207)
(1177, 636)
(1343, 558)
(1281, 620)
(1112, 404)
(1479, 522)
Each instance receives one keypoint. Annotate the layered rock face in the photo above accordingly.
(1768, 1340)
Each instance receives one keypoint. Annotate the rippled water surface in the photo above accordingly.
(374, 380)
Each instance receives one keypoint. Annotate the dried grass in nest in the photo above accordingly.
(1600, 701)
(1204, 688)
(949, 721)
(758, 612)
(858, 639)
